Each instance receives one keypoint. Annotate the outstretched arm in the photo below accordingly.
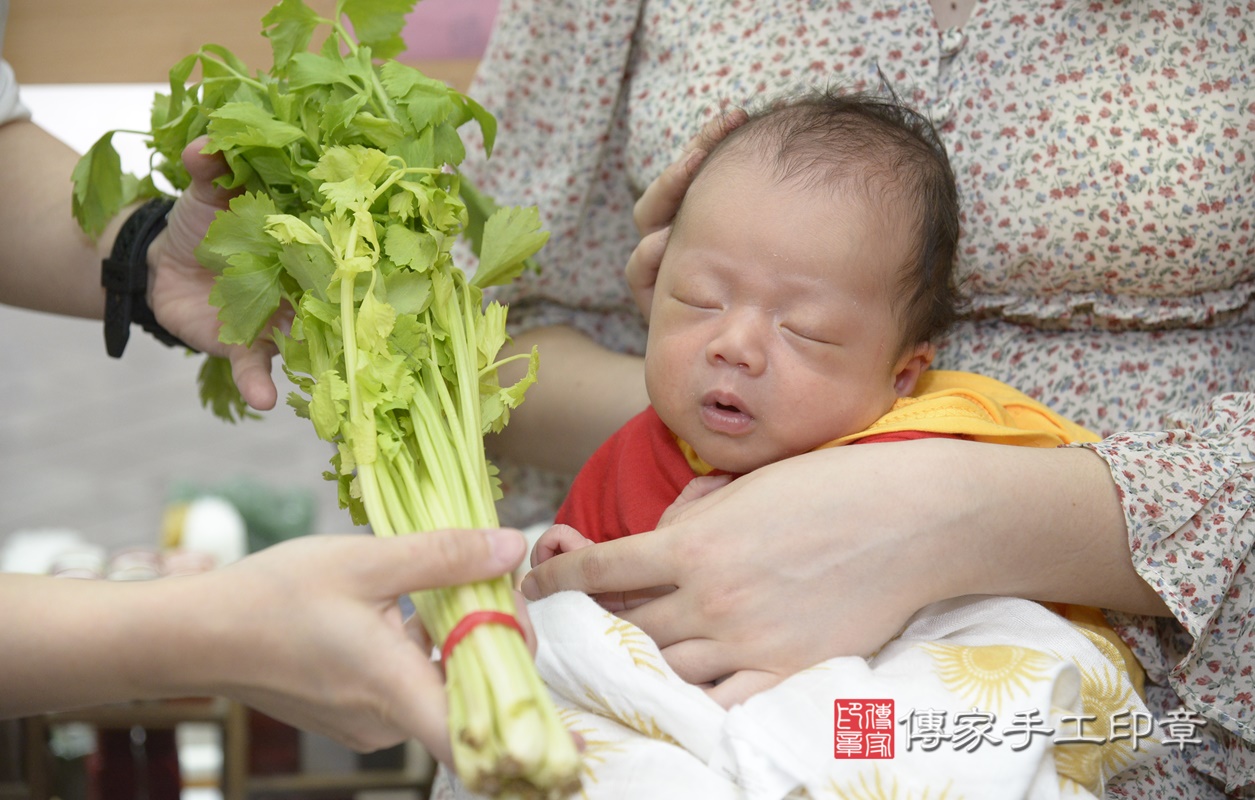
(308, 631)
(49, 264)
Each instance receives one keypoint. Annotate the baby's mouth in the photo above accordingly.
(725, 413)
(724, 401)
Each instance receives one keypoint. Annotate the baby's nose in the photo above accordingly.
(738, 343)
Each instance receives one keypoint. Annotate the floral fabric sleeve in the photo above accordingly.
(554, 78)
(1188, 495)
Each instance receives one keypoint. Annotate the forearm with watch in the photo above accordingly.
(124, 274)
(49, 264)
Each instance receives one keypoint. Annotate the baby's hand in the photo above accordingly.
(561, 539)
(557, 540)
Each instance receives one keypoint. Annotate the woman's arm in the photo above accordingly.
(851, 542)
(584, 394)
(48, 263)
(308, 631)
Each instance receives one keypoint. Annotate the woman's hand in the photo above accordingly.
(179, 286)
(311, 632)
(658, 205)
(49, 264)
(830, 553)
(697, 488)
(766, 582)
(308, 631)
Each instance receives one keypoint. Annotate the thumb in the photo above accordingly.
(642, 268)
(204, 168)
(411, 562)
(250, 369)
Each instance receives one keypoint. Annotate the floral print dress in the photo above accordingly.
(1105, 161)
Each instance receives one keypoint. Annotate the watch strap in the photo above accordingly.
(124, 274)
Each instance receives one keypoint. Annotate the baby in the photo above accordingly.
(808, 271)
(807, 275)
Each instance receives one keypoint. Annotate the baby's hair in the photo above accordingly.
(829, 138)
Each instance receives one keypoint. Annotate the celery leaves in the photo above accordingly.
(349, 206)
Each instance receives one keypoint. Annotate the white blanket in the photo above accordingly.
(1010, 668)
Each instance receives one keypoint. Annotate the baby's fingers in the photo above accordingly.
(555, 541)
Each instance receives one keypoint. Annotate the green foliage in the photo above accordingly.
(218, 393)
(100, 187)
(349, 204)
(335, 144)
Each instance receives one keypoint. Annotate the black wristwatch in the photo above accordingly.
(124, 274)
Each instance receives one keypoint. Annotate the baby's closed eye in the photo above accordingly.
(695, 300)
(810, 332)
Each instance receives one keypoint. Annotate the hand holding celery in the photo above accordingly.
(349, 210)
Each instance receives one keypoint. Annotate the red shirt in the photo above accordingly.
(636, 475)
(629, 481)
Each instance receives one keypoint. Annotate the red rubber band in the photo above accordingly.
(472, 621)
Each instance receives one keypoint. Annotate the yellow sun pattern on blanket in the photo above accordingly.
(597, 749)
(635, 642)
(647, 733)
(987, 675)
(1104, 696)
(635, 720)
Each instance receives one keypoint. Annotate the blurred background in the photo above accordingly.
(137, 41)
(100, 451)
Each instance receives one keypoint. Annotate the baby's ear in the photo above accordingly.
(912, 364)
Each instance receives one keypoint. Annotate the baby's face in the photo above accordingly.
(772, 329)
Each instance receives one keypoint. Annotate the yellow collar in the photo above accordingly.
(962, 404)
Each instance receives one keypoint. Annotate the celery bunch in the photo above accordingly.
(349, 210)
